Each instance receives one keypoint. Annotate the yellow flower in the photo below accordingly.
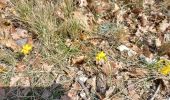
(164, 66)
(101, 56)
(165, 70)
(26, 49)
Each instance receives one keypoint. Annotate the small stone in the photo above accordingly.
(21, 42)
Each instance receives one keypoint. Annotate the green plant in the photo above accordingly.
(52, 32)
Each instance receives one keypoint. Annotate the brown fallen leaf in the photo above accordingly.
(99, 6)
(19, 33)
(137, 10)
(3, 3)
(37, 62)
(133, 95)
(142, 19)
(76, 86)
(19, 80)
(158, 42)
(164, 49)
(14, 80)
(83, 36)
(92, 82)
(83, 19)
(65, 97)
(83, 3)
(20, 67)
(47, 67)
(78, 60)
(138, 72)
(132, 92)
(164, 25)
(117, 98)
(109, 92)
(94, 41)
(72, 94)
(146, 51)
(110, 67)
(25, 82)
(30, 41)
(5, 25)
(10, 44)
(116, 7)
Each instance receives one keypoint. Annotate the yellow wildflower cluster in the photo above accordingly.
(101, 56)
(164, 66)
(26, 49)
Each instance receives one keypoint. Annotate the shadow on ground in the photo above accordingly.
(55, 91)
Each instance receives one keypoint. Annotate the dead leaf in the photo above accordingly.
(110, 67)
(104, 45)
(94, 41)
(14, 80)
(116, 7)
(10, 44)
(109, 92)
(83, 19)
(19, 33)
(158, 42)
(78, 60)
(137, 10)
(20, 67)
(99, 6)
(3, 3)
(65, 97)
(164, 25)
(76, 86)
(142, 19)
(146, 51)
(132, 92)
(72, 94)
(37, 62)
(166, 38)
(133, 95)
(117, 98)
(20, 80)
(47, 67)
(83, 3)
(92, 82)
(25, 82)
(83, 36)
(164, 49)
(138, 72)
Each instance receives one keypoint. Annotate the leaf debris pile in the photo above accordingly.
(85, 49)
